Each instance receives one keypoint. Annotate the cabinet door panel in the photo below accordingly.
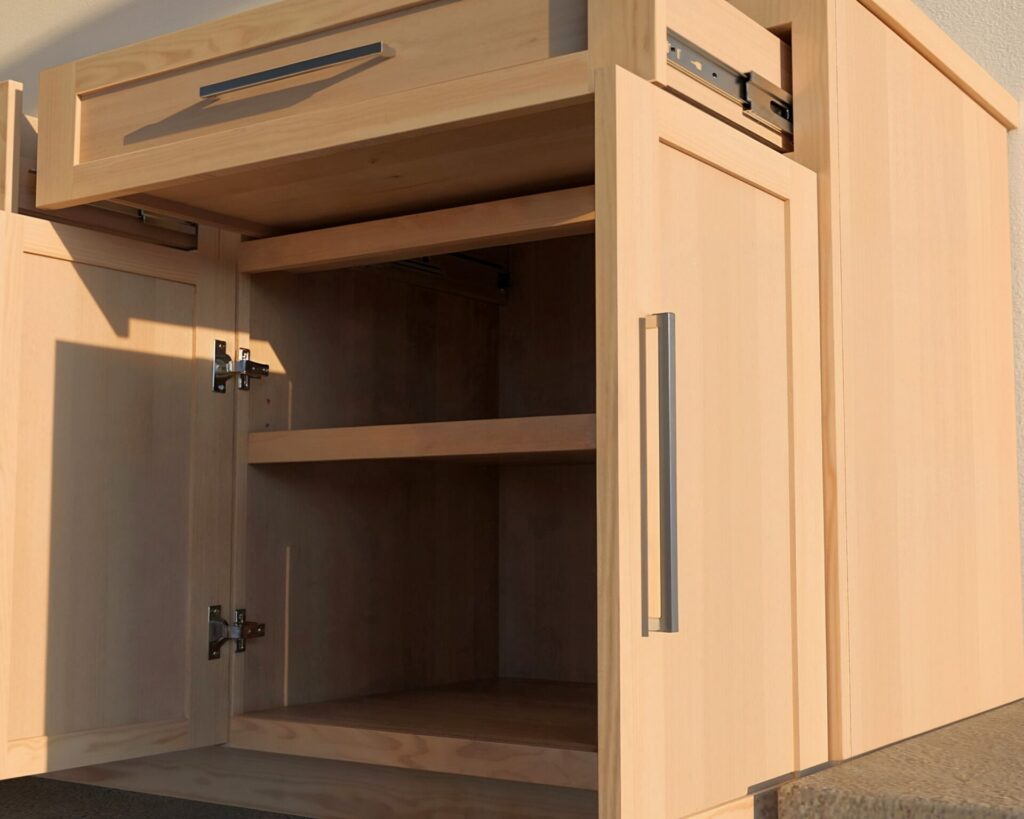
(696, 220)
(116, 474)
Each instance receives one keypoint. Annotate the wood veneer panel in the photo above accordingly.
(489, 438)
(540, 732)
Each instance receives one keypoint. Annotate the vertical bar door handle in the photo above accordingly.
(661, 600)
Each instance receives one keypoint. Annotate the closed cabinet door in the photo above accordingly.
(115, 496)
(711, 559)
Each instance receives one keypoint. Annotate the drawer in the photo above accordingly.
(310, 113)
(337, 62)
(295, 78)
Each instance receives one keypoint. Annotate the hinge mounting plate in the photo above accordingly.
(761, 100)
(224, 369)
(238, 630)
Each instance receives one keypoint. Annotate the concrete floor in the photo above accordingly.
(33, 798)
(973, 769)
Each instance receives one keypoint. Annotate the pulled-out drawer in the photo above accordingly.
(306, 113)
(104, 118)
(342, 58)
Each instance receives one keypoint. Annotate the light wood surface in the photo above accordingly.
(420, 356)
(918, 30)
(733, 38)
(406, 173)
(102, 349)
(433, 43)
(812, 27)
(107, 218)
(523, 219)
(257, 28)
(914, 242)
(630, 33)
(400, 537)
(526, 731)
(544, 435)
(66, 181)
(932, 540)
(547, 584)
(326, 789)
(10, 145)
(738, 697)
(547, 564)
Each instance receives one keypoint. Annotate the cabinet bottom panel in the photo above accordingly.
(520, 730)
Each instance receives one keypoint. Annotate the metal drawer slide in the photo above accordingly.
(761, 100)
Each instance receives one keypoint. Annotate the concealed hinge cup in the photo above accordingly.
(240, 630)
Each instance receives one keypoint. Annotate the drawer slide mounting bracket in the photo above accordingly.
(760, 99)
(238, 630)
(224, 369)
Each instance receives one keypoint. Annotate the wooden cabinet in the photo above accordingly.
(745, 498)
(922, 504)
(536, 499)
(501, 88)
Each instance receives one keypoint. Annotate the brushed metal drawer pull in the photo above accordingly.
(382, 50)
(665, 614)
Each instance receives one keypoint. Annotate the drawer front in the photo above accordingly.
(431, 42)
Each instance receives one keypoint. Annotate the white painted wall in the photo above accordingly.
(992, 31)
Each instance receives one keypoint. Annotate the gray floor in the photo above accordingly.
(33, 798)
(972, 769)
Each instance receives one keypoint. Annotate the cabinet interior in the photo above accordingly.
(416, 593)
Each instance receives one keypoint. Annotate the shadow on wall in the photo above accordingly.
(39, 34)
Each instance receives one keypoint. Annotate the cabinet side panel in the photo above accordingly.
(931, 480)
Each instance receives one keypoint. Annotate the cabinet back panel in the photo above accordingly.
(354, 348)
(362, 346)
(372, 577)
(546, 339)
(548, 572)
(380, 576)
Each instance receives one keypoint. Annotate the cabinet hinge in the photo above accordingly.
(224, 369)
(238, 630)
(761, 100)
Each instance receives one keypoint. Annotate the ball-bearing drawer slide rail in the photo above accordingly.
(761, 100)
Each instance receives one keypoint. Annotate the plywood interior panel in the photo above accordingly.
(388, 576)
(375, 577)
(547, 572)
(508, 156)
(517, 730)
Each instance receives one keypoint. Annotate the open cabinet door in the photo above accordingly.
(115, 495)
(710, 532)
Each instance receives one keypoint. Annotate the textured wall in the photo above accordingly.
(38, 34)
(992, 31)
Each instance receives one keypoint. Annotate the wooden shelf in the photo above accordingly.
(518, 730)
(491, 439)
